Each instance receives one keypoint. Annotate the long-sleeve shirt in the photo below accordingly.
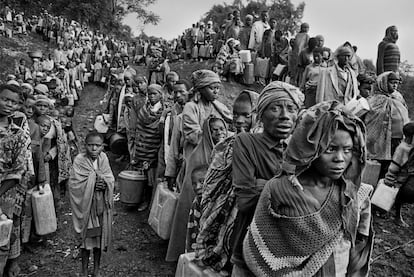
(256, 35)
(255, 156)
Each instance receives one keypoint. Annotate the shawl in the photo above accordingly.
(299, 244)
(382, 64)
(378, 120)
(81, 189)
(196, 162)
(64, 160)
(147, 135)
(218, 204)
(278, 90)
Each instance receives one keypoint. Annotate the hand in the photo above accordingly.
(100, 185)
(48, 158)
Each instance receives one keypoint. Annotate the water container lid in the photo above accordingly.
(132, 175)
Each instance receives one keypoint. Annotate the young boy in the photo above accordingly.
(91, 187)
(45, 143)
(311, 77)
(400, 168)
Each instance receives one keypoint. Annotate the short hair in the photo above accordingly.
(43, 118)
(184, 82)
(408, 129)
(93, 134)
(171, 74)
(12, 88)
(317, 50)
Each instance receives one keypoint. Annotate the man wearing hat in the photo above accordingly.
(338, 82)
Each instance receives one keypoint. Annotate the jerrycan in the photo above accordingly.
(162, 210)
(44, 211)
(6, 225)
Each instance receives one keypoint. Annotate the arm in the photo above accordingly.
(191, 127)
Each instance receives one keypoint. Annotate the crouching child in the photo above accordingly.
(91, 187)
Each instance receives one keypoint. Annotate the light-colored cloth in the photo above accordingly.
(329, 87)
(203, 77)
(256, 34)
(82, 194)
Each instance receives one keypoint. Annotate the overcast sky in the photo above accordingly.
(362, 22)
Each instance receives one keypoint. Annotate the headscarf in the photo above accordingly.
(204, 77)
(155, 87)
(275, 91)
(41, 88)
(13, 82)
(344, 50)
(249, 16)
(43, 99)
(314, 132)
(382, 81)
(388, 37)
(28, 86)
(140, 79)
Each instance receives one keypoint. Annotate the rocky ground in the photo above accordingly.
(137, 251)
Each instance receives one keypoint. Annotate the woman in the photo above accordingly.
(218, 206)
(228, 61)
(318, 210)
(215, 131)
(206, 85)
(385, 120)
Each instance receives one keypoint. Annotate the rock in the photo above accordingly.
(33, 268)
(409, 251)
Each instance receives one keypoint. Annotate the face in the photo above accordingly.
(343, 59)
(9, 102)
(44, 127)
(42, 108)
(180, 94)
(394, 33)
(153, 96)
(29, 107)
(142, 86)
(210, 92)
(171, 81)
(336, 159)
(321, 42)
(365, 89)
(128, 81)
(393, 85)
(272, 24)
(279, 119)
(265, 17)
(305, 29)
(94, 146)
(218, 131)
(326, 55)
(128, 101)
(249, 21)
(242, 116)
(317, 58)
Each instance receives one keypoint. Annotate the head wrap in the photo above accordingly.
(304, 25)
(11, 77)
(13, 82)
(172, 74)
(315, 130)
(140, 79)
(344, 50)
(388, 37)
(365, 78)
(43, 99)
(41, 88)
(249, 16)
(230, 40)
(155, 87)
(204, 77)
(382, 81)
(28, 86)
(275, 91)
(236, 42)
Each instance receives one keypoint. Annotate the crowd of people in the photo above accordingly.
(292, 153)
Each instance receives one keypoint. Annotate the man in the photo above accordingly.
(388, 58)
(127, 67)
(233, 28)
(280, 52)
(258, 158)
(268, 39)
(14, 150)
(244, 35)
(338, 82)
(300, 43)
(258, 29)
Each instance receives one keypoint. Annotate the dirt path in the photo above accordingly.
(137, 251)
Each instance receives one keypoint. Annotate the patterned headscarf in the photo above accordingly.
(203, 77)
(278, 90)
(382, 81)
(155, 87)
(314, 132)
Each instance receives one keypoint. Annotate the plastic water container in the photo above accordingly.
(162, 211)
(44, 211)
(248, 75)
(131, 184)
(187, 267)
(6, 226)
(371, 173)
(71, 100)
(245, 56)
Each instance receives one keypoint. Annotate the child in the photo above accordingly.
(45, 143)
(399, 171)
(311, 77)
(91, 187)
